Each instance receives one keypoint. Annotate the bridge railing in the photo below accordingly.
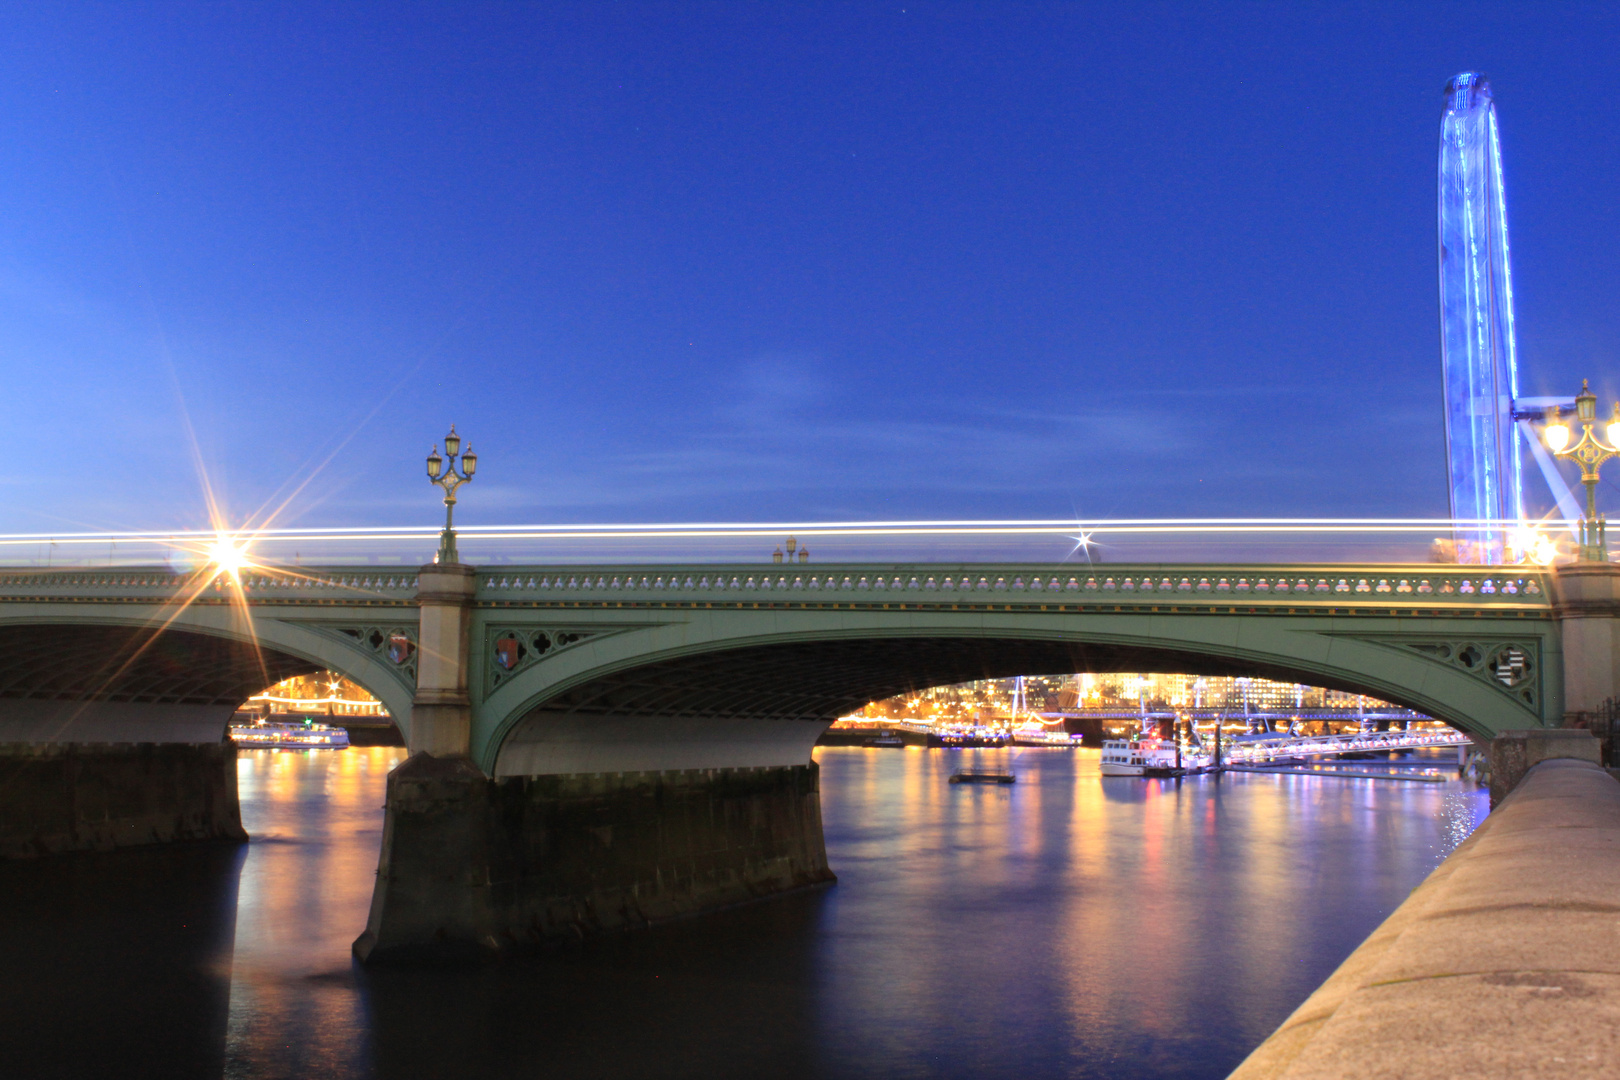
(367, 584)
(1122, 586)
(1034, 584)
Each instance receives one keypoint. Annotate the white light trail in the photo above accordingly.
(1091, 529)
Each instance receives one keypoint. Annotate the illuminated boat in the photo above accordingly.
(959, 737)
(1122, 757)
(1041, 735)
(277, 735)
(1130, 757)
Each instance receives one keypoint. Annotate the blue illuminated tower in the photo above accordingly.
(1476, 324)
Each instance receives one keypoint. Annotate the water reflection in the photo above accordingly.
(1068, 925)
(1082, 926)
(117, 964)
(316, 822)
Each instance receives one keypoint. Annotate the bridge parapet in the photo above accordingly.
(1377, 586)
(343, 585)
(1381, 586)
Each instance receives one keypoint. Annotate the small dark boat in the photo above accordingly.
(887, 739)
(983, 778)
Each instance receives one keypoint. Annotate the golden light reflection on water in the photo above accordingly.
(1161, 920)
(1068, 924)
(315, 817)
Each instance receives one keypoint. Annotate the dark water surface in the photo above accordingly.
(1066, 926)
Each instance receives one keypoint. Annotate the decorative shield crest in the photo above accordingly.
(399, 648)
(509, 652)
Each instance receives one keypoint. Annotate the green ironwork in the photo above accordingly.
(888, 584)
(1476, 646)
(1408, 633)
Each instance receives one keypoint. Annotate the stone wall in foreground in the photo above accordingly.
(1505, 962)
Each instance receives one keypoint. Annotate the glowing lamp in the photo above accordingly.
(1613, 430)
(469, 461)
(1544, 552)
(452, 442)
(435, 464)
(1524, 540)
(1557, 434)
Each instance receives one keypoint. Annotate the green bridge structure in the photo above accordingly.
(595, 747)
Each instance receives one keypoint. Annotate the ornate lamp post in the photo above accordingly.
(792, 545)
(450, 479)
(1590, 453)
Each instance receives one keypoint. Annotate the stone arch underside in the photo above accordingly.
(764, 705)
(106, 682)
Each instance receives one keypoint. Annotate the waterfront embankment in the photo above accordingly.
(1505, 962)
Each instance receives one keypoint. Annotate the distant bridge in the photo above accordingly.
(1201, 713)
(1251, 751)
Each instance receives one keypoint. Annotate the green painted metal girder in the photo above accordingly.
(1478, 647)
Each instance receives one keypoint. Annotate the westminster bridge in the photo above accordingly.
(600, 746)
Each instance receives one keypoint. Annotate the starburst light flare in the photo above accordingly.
(226, 557)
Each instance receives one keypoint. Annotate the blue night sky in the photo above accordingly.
(769, 261)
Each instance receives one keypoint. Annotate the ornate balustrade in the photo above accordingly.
(1025, 584)
(926, 584)
(298, 585)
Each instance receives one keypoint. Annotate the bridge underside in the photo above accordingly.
(115, 736)
(126, 663)
(766, 705)
(826, 679)
(97, 683)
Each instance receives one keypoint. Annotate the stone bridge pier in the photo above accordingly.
(597, 825)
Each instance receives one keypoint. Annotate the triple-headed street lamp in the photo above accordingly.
(804, 553)
(450, 479)
(1590, 453)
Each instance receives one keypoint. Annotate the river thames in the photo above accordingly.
(1065, 926)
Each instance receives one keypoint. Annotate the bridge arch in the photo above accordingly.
(149, 674)
(740, 689)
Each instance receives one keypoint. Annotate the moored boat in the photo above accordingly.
(1132, 757)
(959, 737)
(1041, 735)
(1122, 757)
(280, 735)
